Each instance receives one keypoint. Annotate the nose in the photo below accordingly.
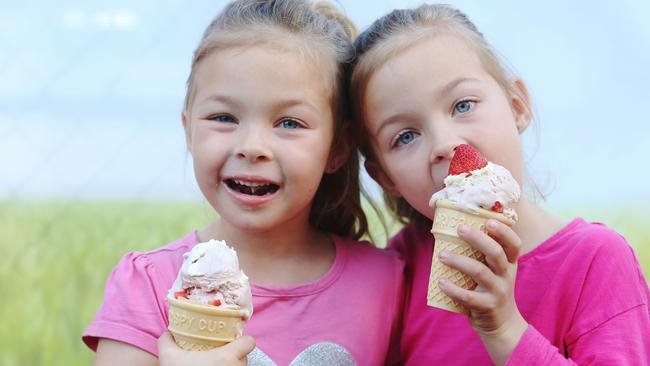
(254, 145)
(444, 140)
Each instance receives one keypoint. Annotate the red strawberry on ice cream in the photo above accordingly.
(475, 183)
(466, 158)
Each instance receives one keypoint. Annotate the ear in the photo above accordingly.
(187, 129)
(377, 173)
(520, 102)
(338, 156)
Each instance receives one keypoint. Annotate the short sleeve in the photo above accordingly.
(613, 285)
(133, 310)
(610, 324)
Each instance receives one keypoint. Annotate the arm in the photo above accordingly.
(234, 353)
(110, 352)
(611, 322)
(493, 312)
(139, 320)
(394, 352)
(611, 325)
(622, 340)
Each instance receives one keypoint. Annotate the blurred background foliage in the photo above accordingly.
(57, 256)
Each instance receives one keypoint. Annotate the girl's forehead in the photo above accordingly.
(277, 40)
(433, 52)
(284, 54)
(266, 76)
(432, 61)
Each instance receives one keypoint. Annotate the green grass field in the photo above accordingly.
(56, 257)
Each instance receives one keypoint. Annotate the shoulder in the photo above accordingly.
(412, 238)
(370, 273)
(157, 263)
(364, 251)
(604, 262)
(170, 253)
(595, 240)
(603, 267)
(149, 275)
(611, 254)
(580, 229)
(362, 259)
(590, 248)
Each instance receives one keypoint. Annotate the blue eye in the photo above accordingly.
(289, 123)
(222, 118)
(464, 106)
(405, 138)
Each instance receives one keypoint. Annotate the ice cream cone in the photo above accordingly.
(445, 231)
(199, 327)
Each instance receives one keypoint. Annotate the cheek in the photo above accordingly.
(313, 148)
(506, 150)
(207, 158)
(321, 146)
(202, 173)
(397, 167)
(407, 171)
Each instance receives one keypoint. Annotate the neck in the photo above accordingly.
(294, 253)
(535, 225)
(279, 242)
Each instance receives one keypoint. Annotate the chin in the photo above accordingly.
(252, 226)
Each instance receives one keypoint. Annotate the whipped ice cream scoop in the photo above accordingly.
(479, 184)
(210, 275)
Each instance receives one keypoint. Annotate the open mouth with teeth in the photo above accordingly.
(251, 188)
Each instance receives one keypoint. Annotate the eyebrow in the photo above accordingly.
(288, 103)
(453, 84)
(283, 104)
(442, 91)
(219, 98)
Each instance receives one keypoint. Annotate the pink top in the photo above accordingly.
(348, 315)
(582, 292)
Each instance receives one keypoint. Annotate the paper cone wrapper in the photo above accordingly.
(199, 327)
(445, 231)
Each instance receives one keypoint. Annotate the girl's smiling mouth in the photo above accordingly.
(251, 187)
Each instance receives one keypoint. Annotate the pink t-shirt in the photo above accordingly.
(350, 315)
(582, 292)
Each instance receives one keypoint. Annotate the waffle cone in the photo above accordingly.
(199, 327)
(445, 231)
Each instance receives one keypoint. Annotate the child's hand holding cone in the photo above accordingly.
(493, 311)
(475, 191)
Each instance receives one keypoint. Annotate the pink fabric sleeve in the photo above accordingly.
(609, 344)
(133, 310)
(394, 352)
(611, 325)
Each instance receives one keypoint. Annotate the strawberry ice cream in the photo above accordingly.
(474, 183)
(210, 275)
(475, 191)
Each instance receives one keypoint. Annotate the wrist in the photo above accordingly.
(502, 342)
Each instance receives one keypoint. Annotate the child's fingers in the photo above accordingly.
(494, 253)
(470, 299)
(241, 346)
(475, 269)
(506, 237)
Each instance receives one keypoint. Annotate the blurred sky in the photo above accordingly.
(91, 93)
